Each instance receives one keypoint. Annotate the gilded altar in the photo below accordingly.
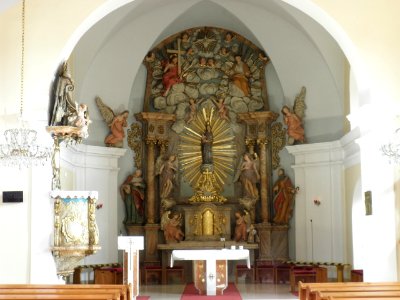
(207, 222)
(208, 144)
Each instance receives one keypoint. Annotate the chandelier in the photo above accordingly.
(20, 148)
(392, 149)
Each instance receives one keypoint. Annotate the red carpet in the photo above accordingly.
(230, 293)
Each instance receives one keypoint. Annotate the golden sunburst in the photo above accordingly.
(223, 148)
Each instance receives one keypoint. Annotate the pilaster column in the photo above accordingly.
(262, 142)
(257, 130)
(150, 194)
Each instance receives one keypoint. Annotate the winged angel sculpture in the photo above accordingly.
(294, 120)
(248, 174)
(117, 123)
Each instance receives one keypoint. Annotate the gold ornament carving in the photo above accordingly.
(278, 139)
(161, 129)
(151, 140)
(135, 143)
(262, 141)
(208, 222)
(151, 128)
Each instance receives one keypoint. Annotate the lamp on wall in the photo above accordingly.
(20, 148)
(392, 149)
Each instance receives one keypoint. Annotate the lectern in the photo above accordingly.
(131, 246)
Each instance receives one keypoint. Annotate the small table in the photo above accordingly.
(211, 279)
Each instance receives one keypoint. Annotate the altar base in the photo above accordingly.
(274, 244)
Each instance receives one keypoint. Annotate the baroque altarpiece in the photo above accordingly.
(207, 144)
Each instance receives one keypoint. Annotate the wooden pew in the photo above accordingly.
(112, 292)
(364, 294)
(361, 298)
(56, 297)
(307, 291)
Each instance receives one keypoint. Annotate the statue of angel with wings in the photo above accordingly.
(294, 120)
(248, 174)
(117, 123)
(166, 169)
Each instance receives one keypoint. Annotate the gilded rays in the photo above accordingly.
(223, 148)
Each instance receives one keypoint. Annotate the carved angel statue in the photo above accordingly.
(166, 169)
(248, 174)
(117, 123)
(294, 120)
(249, 205)
(171, 225)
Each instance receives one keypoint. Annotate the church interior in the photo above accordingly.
(259, 127)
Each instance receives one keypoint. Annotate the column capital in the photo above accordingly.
(151, 141)
(262, 141)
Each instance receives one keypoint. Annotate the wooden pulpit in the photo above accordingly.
(131, 246)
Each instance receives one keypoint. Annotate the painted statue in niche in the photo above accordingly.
(116, 122)
(284, 193)
(133, 195)
(293, 119)
(203, 67)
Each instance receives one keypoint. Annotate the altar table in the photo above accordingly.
(210, 268)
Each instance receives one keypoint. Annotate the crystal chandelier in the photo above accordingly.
(20, 148)
(392, 149)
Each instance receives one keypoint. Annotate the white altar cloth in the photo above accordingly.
(211, 256)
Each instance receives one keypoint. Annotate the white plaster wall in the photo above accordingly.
(378, 233)
(96, 169)
(14, 224)
(320, 230)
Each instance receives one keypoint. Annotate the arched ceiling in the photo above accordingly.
(302, 52)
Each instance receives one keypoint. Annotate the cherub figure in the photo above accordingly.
(82, 121)
(294, 120)
(192, 110)
(222, 109)
(117, 123)
(172, 226)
